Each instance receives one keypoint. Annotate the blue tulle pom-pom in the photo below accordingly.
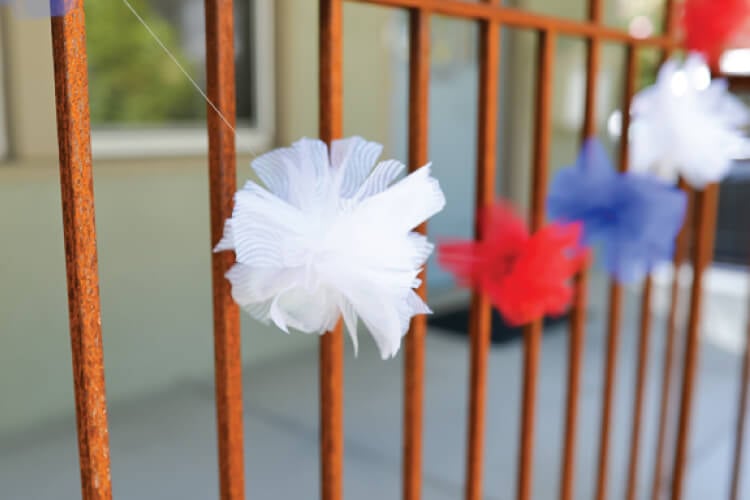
(635, 217)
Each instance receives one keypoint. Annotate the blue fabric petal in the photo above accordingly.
(60, 7)
(585, 192)
(635, 217)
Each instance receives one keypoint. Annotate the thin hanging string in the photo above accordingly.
(181, 68)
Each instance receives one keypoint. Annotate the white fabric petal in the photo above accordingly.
(309, 311)
(382, 176)
(275, 169)
(409, 202)
(685, 126)
(297, 175)
(350, 320)
(352, 159)
(331, 238)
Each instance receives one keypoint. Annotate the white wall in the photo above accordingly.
(155, 287)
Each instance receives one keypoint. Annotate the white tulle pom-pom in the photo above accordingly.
(687, 125)
(332, 237)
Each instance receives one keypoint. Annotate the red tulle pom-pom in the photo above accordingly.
(710, 25)
(525, 276)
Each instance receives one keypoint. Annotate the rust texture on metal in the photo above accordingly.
(577, 325)
(481, 317)
(332, 343)
(222, 183)
(533, 332)
(706, 203)
(81, 263)
(593, 62)
(332, 414)
(667, 393)
(682, 245)
(615, 300)
(739, 437)
(644, 339)
(610, 367)
(414, 343)
(613, 332)
(671, 24)
(645, 323)
(518, 18)
(575, 362)
(631, 82)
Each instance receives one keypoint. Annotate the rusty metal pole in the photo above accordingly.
(480, 326)
(577, 327)
(532, 341)
(414, 343)
(81, 263)
(705, 230)
(332, 343)
(644, 337)
(223, 184)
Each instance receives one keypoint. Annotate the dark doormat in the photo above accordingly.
(457, 322)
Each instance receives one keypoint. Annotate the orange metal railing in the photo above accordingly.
(80, 246)
(77, 186)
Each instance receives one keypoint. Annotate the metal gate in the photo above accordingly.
(68, 33)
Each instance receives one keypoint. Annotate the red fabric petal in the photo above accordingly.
(462, 259)
(710, 25)
(540, 282)
(504, 230)
(525, 277)
(473, 262)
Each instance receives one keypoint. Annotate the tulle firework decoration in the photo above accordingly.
(635, 217)
(332, 236)
(525, 276)
(711, 25)
(687, 125)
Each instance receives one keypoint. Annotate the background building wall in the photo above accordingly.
(152, 220)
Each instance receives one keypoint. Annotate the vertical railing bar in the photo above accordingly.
(480, 326)
(682, 246)
(613, 338)
(615, 302)
(705, 227)
(593, 61)
(640, 384)
(414, 343)
(645, 323)
(533, 332)
(222, 184)
(575, 361)
(666, 399)
(615, 312)
(739, 439)
(332, 343)
(577, 322)
(671, 22)
(81, 263)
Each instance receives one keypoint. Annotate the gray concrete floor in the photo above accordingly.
(164, 447)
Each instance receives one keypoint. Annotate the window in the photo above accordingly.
(141, 101)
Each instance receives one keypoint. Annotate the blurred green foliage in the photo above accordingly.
(132, 80)
(649, 61)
